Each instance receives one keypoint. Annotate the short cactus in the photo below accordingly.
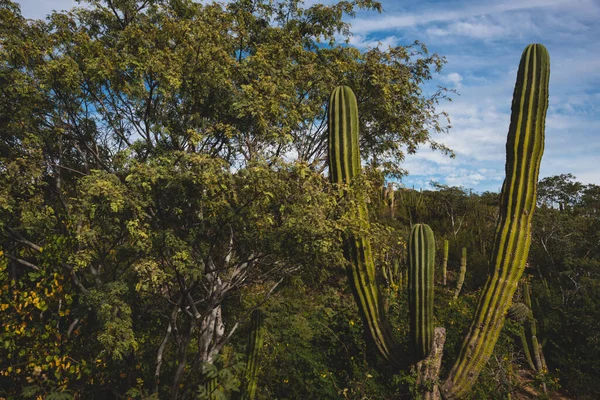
(519, 312)
(445, 262)
(255, 342)
(462, 273)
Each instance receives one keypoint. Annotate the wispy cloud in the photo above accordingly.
(441, 12)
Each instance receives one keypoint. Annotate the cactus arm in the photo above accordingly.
(513, 234)
(421, 288)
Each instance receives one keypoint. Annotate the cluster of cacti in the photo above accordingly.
(513, 233)
(413, 203)
(462, 273)
(421, 265)
(255, 343)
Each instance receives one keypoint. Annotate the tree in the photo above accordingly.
(561, 190)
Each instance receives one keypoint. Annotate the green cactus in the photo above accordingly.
(413, 203)
(421, 261)
(525, 345)
(209, 389)
(532, 325)
(524, 148)
(344, 156)
(344, 165)
(255, 342)
(519, 312)
(445, 263)
(461, 275)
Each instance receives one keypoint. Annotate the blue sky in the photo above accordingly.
(482, 42)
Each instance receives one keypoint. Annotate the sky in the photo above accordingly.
(482, 42)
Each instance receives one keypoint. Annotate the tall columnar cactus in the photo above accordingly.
(421, 266)
(255, 342)
(344, 165)
(462, 273)
(445, 262)
(524, 149)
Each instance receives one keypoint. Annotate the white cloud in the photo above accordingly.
(473, 29)
(438, 14)
(453, 78)
(363, 43)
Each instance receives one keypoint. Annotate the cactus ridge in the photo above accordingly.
(524, 148)
(421, 289)
(344, 164)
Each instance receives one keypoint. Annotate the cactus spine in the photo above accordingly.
(524, 149)
(445, 263)
(421, 256)
(463, 271)
(344, 165)
(255, 343)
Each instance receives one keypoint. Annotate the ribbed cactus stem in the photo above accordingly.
(532, 323)
(255, 343)
(210, 388)
(524, 148)
(525, 346)
(344, 164)
(421, 265)
(344, 154)
(462, 273)
(445, 262)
